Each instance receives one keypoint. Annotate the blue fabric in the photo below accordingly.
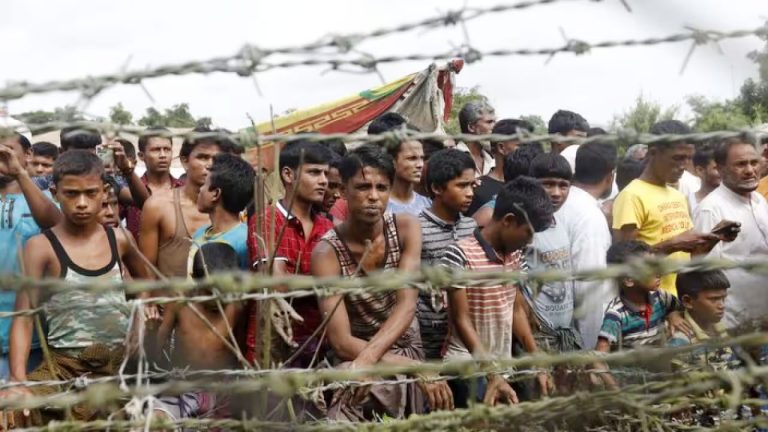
(236, 237)
(34, 360)
(16, 227)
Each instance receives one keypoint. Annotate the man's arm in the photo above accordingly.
(35, 261)
(43, 210)
(521, 326)
(131, 256)
(149, 233)
(345, 345)
(402, 314)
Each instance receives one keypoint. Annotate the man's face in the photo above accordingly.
(557, 189)
(741, 168)
(157, 154)
(40, 166)
(458, 193)
(514, 233)
(367, 195)
(206, 199)
(707, 306)
(81, 198)
(333, 191)
(709, 174)
(504, 148)
(409, 163)
(110, 210)
(483, 125)
(199, 162)
(669, 163)
(312, 182)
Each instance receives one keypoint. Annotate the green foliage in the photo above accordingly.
(714, 116)
(178, 116)
(462, 95)
(539, 125)
(643, 115)
(119, 115)
(67, 113)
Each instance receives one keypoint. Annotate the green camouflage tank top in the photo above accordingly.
(78, 318)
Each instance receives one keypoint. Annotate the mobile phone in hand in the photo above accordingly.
(106, 154)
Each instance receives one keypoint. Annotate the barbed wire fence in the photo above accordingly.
(651, 405)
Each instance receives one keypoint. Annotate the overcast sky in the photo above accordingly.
(44, 40)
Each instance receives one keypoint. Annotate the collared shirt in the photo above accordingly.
(705, 357)
(295, 249)
(747, 299)
(133, 213)
(491, 307)
(590, 238)
(437, 235)
(488, 161)
(627, 325)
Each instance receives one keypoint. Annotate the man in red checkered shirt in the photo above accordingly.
(297, 226)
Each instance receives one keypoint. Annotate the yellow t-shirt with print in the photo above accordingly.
(659, 212)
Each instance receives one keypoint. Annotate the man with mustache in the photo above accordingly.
(736, 199)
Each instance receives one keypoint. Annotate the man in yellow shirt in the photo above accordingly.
(651, 211)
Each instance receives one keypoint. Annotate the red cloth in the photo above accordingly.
(133, 213)
(340, 211)
(296, 251)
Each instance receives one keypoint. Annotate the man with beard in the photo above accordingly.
(24, 210)
(736, 199)
(651, 211)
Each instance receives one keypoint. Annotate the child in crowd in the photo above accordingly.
(110, 209)
(44, 154)
(196, 345)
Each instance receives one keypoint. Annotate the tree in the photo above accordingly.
(461, 96)
(643, 115)
(712, 116)
(204, 122)
(539, 125)
(177, 116)
(119, 115)
(153, 118)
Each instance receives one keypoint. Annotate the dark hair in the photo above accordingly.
(526, 199)
(723, 148)
(214, 257)
(226, 143)
(191, 143)
(77, 162)
(128, 148)
(111, 181)
(623, 251)
(594, 161)
(367, 155)
(153, 132)
(385, 123)
(23, 141)
(78, 137)
(45, 149)
(447, 165)
(694, 282)
(336, 146)
(234, 177)
(669, 127)
(628, 170)
(564, 121)
(703, 156)
(512, 126)
(304, 151)
(471, 113)
(518, 163)
(550, 165)
(596, 131)
(430, 147)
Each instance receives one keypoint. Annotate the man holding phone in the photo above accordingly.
(736, 200)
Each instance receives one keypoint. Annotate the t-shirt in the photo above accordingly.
(659, 212)
(628, 326)
(488, 189)
(417, 204)
(437, 235)
(491, 307)
(553, 302)
(707, 358)
(237, 237)
(688, 184)
(16, 227)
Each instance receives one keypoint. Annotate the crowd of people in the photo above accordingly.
(82, 214)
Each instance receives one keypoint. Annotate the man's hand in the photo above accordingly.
(16, 392)
(499, 390)
(9, 163)
(438, 394)
(726, 230)
(122, 163)
(676, 322)
(282, 317)
(695, 242)
(546, 383)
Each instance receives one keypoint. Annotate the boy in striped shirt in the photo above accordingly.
(484, 318)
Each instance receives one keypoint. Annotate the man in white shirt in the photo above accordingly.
(589, 234)
(736, 200)
(478, 118)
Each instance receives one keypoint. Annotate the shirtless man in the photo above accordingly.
(376, 328)
(169, 218)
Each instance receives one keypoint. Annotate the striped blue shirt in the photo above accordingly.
(627, 326)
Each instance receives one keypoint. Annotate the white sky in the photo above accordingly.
(44, 40)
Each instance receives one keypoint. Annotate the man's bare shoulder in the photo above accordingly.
(159, 202)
